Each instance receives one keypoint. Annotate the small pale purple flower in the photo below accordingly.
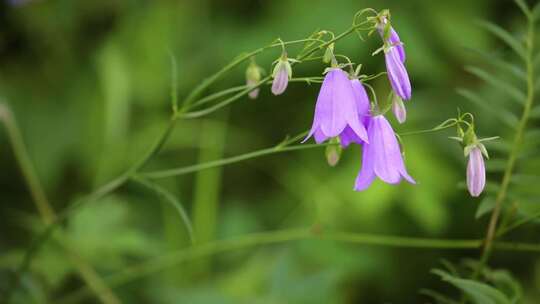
(381, 156)
(282, 73)
(398, 108)
(348, 136)
(336, 109)
(395, 63)
(476, 172)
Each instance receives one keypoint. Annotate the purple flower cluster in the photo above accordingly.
(343, 110)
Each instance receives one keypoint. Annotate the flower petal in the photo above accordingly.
(366, 175)
(397, 74)
(387, 157)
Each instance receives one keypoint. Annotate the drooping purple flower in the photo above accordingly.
(397, 74)
(476, 172)
(395, 62)
(281, 74)
(336, 109)
(398, 108)
(381, 156)
(348, 136)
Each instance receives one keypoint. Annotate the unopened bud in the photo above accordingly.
(253, 77)
(281, 74)
(333, 152)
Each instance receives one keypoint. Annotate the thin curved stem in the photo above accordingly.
(226, 161)
(47, 213)
(283, 236)
(501, 195)
(208, 81)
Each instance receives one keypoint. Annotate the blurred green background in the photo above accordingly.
(89, 83)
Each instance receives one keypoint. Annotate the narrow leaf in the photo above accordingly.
(500, 63)
(478, 292)
(174, 83)
(524, 8)
(169, 198)
(438, 297)
(505, 36)
(536, 11)
(517, 95)
(505, 116)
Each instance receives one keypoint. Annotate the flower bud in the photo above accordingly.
(476, 170)
(333, 152)
(328, 53)
(253, 77)
(281, 74)
(398, 108)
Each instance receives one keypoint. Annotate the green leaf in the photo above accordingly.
(517, 95)
(479, 293)
(174, 83)
(505, 116)
(438, 297)
(506, 282)
(487, 204)
(169, 198)
(505, 36)
(524, 8)
(536, 11)
(502, 64)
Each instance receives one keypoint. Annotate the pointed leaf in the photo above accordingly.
(495, 61)
(168, 198)
(478, 292)
(505, 116)
(517, 95)
(524, 8)
(505, 36)
(536, 11)
(438, 297)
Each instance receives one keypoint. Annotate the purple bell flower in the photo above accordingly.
(476, 172)
(336, 109)
(348, 136)
(381, 156)
(395, 64)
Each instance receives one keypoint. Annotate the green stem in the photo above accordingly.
(47, 213)
(284, 236)
(501, 195)
(208, 81)
(225, 161)
(21, 154)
